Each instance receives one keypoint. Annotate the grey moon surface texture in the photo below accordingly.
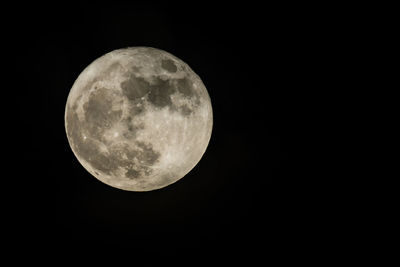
(138, 118)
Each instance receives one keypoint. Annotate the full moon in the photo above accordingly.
(138, 118)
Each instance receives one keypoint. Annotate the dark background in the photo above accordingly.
(247, 189)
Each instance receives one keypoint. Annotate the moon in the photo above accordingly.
(138, 118)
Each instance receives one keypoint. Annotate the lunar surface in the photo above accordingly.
(138, 119)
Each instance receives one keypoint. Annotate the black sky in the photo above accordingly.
(246, 187)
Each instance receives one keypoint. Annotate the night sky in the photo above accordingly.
(246, 186)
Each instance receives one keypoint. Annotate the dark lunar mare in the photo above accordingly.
(99, 117)
(168, 65)
(159, 92)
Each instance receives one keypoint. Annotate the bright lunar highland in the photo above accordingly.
(138, 118)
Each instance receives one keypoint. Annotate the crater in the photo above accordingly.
(137, 161)
(147, 154)
(146, 157)
(131, 128)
